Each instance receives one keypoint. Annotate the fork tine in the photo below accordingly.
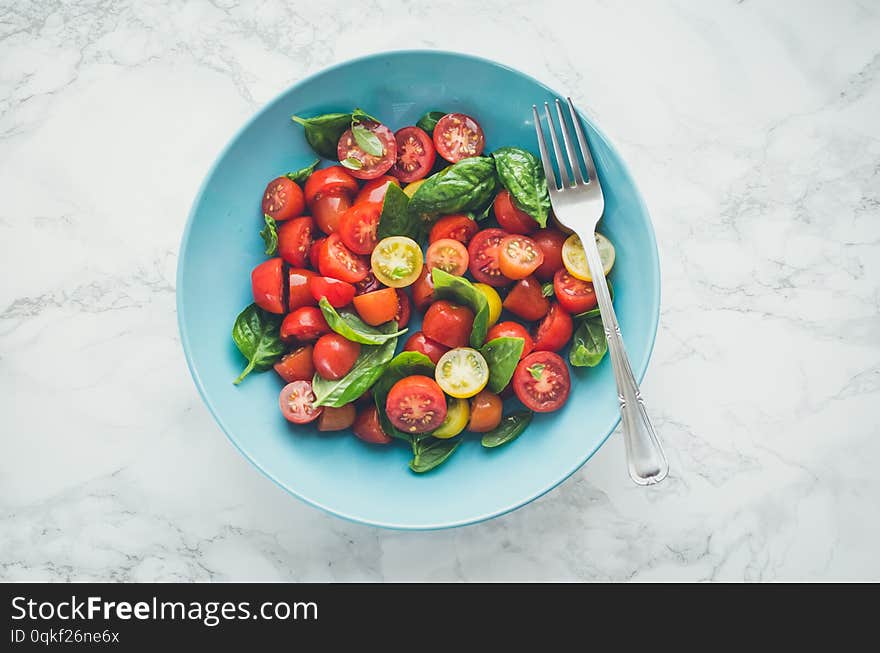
(582, 139)
(569, 146)
(542, 146)
(563, 171)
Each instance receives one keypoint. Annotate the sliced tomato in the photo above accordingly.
(403, 309)
(510, 217)
(483, 257)
(554, 331)
(541, 381)
(448, 323)
(573, 295)
(448, 255)
(337, 261)
(424, 345)
(415, 154)
(375, 189)
(334, 179)
(368, 284)
(283, 199)
(295, 240)
(315, 252)
(457, 136)
(423, 290)
(458, 227)
(397, 261)
(334, 356)
(299, 293)
(519, 256)
(336, 419)
(305, 324)
(377, 307)
(367, 427)
(369, 166)
(416, 404)
(512, 329)
(550, 241)
(338, 293)
(267, 284)
(358, 226)
(527, 300)
(296, 401)
(297, 365)
(328, 210)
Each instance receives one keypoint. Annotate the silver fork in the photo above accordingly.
(579, 205)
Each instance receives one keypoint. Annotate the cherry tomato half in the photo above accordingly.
(397, 261)
(305, 324)
(519, 256)
(550, 241)
(267, 284)
(328, 210)
(511, 329)
(371, 165)
(357, 227)
(336, 419)
(573, 295)
(510, 217)
(403, 309)
(338, 293)
(367, 427)
(554, 331)
(415, 154)
(416, 404)
(424, 345)
(447, 254)
(375, 189)
(377, 307)
(334, 356)
(483, 257)
(297, 365)
(448, 323)
(296, 400)
(334, 179)
(336, 260)
(315, 252)
(458, 136)
(283, 199)
(299, 292)
(527, 300)
(541, 381)
(458, 227)
(295, 240)
(485, 412)
(368, 284)
(423, 290)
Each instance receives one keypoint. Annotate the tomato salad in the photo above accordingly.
(422, 219)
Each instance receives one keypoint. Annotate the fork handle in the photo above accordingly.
(644, 454)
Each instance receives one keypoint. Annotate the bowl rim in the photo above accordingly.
(184, 335)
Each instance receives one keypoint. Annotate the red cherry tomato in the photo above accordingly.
(554, 331)
(315, 252)
(334, 356)
(519, 256)
(335, 260)
(512, 330)
(541, 381)
(297, 365)
(296, 402)
(335, 180)
(423, 290)
(415, 154)
(573, 295)
(358, 225)
(328, 210)
(295, 240)
(485, 412)
(367, 427)
(483, 257)
(377, 307)
(526, 300)
(300, 294)
(416, 404)
(283, 199)
(448, 323)
(550, 241)
(368, 284)
(375, 189)
(447, 254)
(305, 324)
(424, 345)
(267, 284)
(336, 419)
(371, 166)
(458, 136)
(338, 293)
(458, 227)
(510, 217)
(403, 309)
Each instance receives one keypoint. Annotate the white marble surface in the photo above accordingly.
(753, 129)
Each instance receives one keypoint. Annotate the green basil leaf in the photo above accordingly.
(462, 291)
(536, 370)
(510, 429)
(522, 174)
(256, 334)
(359, 115)
(406, 363)
(595, 311)
(323, 132)
(468, 185)
(502, 355)
(396, 219)
(429, 121)
(429, 453)
(350, 326)
(270, 235)
(369, 366)
(367, 140)
(547, 289)
(301, 176)
(351, 163)
(588, 344)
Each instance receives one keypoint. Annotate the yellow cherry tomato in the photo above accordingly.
(462, 372)
(411, 189)
(458, 414)
(494, 300)
(575, 258)
(397, 261)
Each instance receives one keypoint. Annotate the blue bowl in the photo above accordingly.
(337, 472)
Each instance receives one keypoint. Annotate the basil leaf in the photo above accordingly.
(396, 219)
(359, 115)
(350, 326)
(323, 132)
(595, 311)
(589, 344)
(429, 121)
(429, 453)
(468, 185)
(256, 334)
(301, 176)
(462, 291)
(502, 355)
(369, 366)
(270, 235)
(536, 370)
(510, 429)
(367, 140)
(521, 173)
(547, 289)
(406, 363)
(351, 163)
